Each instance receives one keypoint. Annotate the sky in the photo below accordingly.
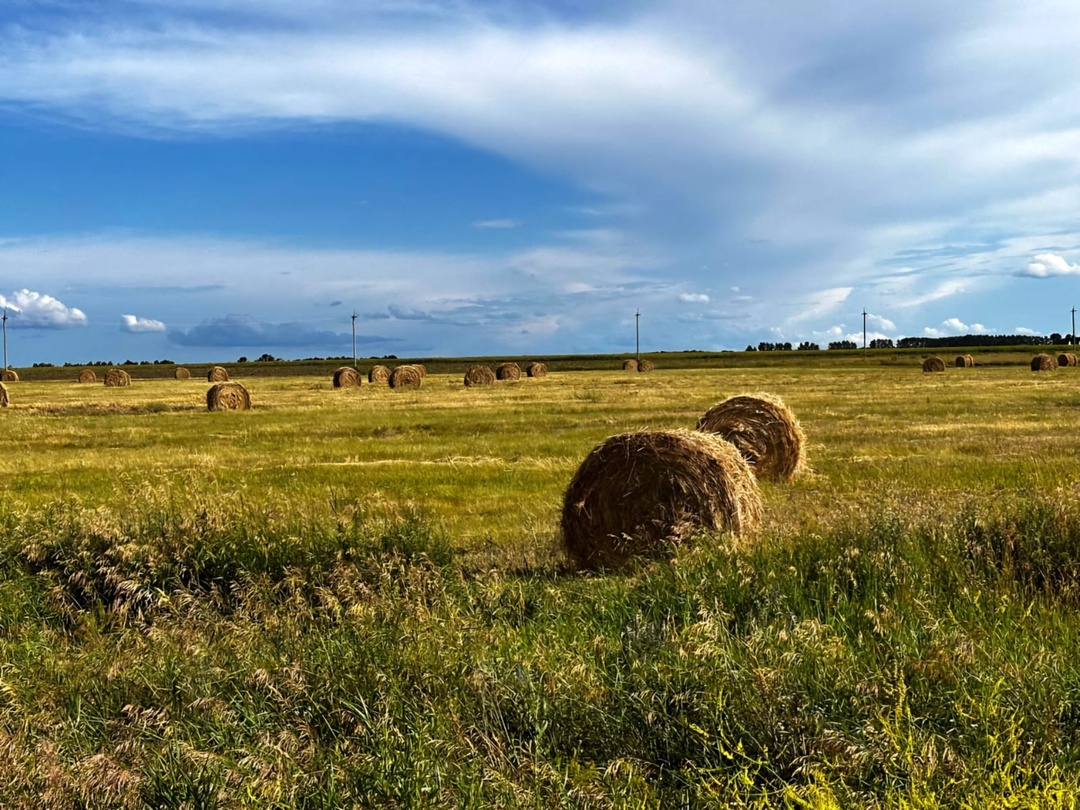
(196, 180)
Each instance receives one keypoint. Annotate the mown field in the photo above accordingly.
(358, 598)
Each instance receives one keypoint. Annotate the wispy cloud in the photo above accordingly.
(497, 224)
(34, 310)
(694, 298)
(135, 324)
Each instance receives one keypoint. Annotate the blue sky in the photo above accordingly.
(201, 180)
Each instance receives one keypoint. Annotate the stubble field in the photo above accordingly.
(357, 598)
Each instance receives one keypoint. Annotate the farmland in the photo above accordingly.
(357, 597)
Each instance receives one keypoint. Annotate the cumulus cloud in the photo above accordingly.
(694, 298)
(135, 324)
(245, 331)
(955, 326)
(880, 323)
(1046, 265)
(35, 310)
(1023, 330)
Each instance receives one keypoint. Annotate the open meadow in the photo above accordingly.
(358, 597)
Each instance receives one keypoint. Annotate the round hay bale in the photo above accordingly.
(117, 378)
(378, 374)
(933, 365)
(964, 361)
(479, 375)
(508, 371)
(1066, 359)
(347, 377)
(217, 374)
(1044, 362)
(645, 365)
(87, 375)
(536, 369)
(640, 494)
(629, 365)
(405, 377)
(228, 396)
(764, 431)
(421, 368)
(3, 396)
(9, 375)
(182, 373)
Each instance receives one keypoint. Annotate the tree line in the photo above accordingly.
(1053, 339)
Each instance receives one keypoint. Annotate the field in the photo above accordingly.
(358, 598)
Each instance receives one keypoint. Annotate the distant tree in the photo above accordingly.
(265, 358)
(807, 346)
(751, 349)
(843, 344)
(242, 360)
(881, 343)
(1055, 339)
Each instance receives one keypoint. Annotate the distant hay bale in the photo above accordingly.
(378, 374)
(347, 377)
(536, 369)
(87, 376)
(217, 374)
(228, 396)
(629, 365)
(9, 375)
(182, 373)
(117, 378)
(405, 377)
(645, 365)
(1044, 362)
(764, 431)
(1066, 359)
(640, 494)
(508, 371)
(964, 361)
(479, 375)
(933, 365)
(3, 396)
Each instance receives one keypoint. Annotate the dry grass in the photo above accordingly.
(228, 396)
(764, 431)
(640, 494)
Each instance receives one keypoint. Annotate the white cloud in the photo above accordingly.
(1023, 330)
(134, 324)
(822, 304)
(1045, 265)
(955, 326)
(35, 310)
(497, 224)
(879, 323)
(694, 298)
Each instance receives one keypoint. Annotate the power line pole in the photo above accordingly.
(864, 330)
(1073, 340)
(637, 336)
(354, 338)
(5, 340)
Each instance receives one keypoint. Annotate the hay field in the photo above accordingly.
(356, 597)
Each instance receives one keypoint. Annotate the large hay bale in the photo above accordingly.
(117, 378)
(87, 375)
(1044, 362)
(378, 374)
(228, 396)
(405, 377)
(964, 361)
(645, 365)
(1066, 359)
(3, 396)
(536, 369)
(479, 375)
(640, 494)
(182, 373)
(9, 375)
(508, 371)
(217, 374)
(421, 368)
(764, 431)
(347, 377)
(629, 365)
(933, 365)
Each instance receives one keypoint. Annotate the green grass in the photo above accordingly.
(357, 598)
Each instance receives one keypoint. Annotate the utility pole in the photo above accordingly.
(864, 330)
(1073, 340)
(5, 340)
(637, 335)
(354, 338)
